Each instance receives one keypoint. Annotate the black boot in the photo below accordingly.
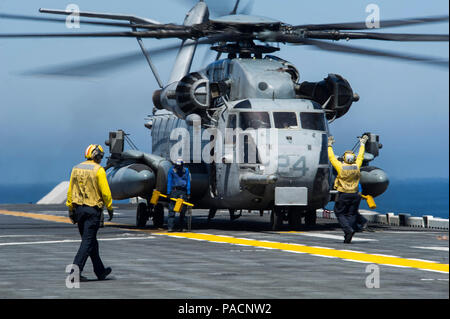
(105, 273)
(348, 238)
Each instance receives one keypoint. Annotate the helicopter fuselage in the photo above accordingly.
(265, 119)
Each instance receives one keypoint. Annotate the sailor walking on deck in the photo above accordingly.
(88, 193)
(346, 183)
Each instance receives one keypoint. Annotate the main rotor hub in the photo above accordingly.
(244, 49)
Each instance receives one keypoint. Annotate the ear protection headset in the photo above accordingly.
(94, 150)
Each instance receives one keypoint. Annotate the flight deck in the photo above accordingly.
(219, 259)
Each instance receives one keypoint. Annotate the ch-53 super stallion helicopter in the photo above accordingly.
(281, 165)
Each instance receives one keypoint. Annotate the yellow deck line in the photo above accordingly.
(319, 251)
(325, 252)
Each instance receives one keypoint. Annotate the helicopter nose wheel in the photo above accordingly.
(142, 215)
(310, 217)
(294, 218)
(276, 218)
(158, 216)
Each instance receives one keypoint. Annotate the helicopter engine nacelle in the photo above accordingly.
(192, 94)
(334, 93)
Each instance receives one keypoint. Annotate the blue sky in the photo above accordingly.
(46, 123)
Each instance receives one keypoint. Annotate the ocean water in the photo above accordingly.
(417, 197)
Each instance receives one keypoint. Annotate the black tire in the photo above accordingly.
(295, 218)
(211, 213)
(276, 218)
(158, 216)
(141, 215)
(310, 218)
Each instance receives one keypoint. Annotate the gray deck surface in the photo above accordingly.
(34, 254)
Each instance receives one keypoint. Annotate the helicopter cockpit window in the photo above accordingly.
(312, 121)
(285, 120)
(254, 120)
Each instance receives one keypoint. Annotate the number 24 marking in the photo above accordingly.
(299, 165)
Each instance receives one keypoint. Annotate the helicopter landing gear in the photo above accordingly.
(158, 216)
(142, 215)
(211, 213)
(294, 218)
(276, 217)
(310, 217)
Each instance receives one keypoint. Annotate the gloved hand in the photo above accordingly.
(364, 139)
(330, 140)
(111, 214)
(72, 216)
(188, 196)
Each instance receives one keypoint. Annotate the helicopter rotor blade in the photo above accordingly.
(334, 47)
(102, 65)
(248, 7)
(363, 25)
(216, 8)
(337, 35)
(158, 34)
(112, 16)
(100, 23)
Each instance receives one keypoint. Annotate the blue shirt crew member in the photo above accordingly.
(178, 186)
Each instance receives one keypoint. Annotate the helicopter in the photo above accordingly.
(276, 155)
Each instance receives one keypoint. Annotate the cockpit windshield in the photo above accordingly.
(285, 120)
(312, 121)
(254, 120)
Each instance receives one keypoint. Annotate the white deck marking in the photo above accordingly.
(69, 241)
(330, 236)
(440, 248)
(12, 236)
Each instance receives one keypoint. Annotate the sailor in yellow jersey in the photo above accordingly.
(346, 183)
(88, 193)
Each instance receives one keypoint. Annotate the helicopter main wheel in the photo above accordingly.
(158, 216)
(276, 218)
(211, 213)
(141, 215)
(294, 218)
(310, 217)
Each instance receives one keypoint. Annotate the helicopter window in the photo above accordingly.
(285, 119)
(312, 121)
(254, 120)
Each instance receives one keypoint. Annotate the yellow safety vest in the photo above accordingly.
(349, 175)
(89, 186)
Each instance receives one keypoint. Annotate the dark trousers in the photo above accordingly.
(176, 193)
(346, 211)
(88, 219)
